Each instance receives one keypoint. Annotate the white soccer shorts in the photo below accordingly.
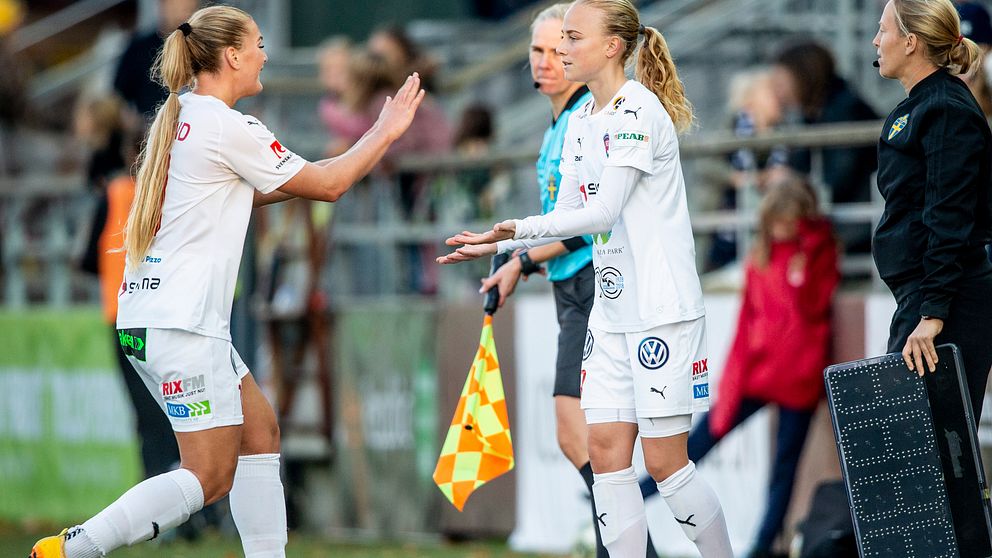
(659, 373)
(194, 378)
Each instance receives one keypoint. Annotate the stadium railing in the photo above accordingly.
(44, 218)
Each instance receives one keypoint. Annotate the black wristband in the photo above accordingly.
(527, 265)
(574, 243)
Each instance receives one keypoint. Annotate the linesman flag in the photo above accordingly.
(478, 447)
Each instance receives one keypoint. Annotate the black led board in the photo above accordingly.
(909, 455)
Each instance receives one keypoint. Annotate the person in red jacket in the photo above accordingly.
(782, 343)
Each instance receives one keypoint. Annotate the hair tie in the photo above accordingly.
(640, 29)
(960, 40)
(185, 28)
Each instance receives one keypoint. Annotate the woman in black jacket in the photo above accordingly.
(934, 173)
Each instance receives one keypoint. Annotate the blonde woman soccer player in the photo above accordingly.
(204, 167)
(646, 370)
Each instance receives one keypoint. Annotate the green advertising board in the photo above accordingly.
(67, 443)
(386, 439)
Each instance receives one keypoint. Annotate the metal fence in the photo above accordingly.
(383, 234)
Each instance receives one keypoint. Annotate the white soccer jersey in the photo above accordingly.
(645, 265)
(186, 281)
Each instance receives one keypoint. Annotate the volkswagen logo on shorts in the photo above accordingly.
(587, 349)
(652, 353)
(610, 282)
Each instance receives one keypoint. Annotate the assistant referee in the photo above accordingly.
(934, 173)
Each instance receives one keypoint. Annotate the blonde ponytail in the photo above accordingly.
(965, 57)
(655, 69)
(194, 48)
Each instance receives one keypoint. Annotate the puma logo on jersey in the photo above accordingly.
(687, 521)
(661, 393)
(253, 123)
(634, 112)
(600, 519)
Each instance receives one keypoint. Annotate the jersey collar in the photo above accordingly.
(571, 101)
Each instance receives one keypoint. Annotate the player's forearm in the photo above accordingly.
(599, 214)
(275, 196)
(510, 246)
(547, 252)
(351, 166)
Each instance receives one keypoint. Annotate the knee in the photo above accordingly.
(264, 437)
(216, 477)
(663, 468)
(606, 454)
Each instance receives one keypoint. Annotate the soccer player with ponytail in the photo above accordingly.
(645, 367)
(203, 168)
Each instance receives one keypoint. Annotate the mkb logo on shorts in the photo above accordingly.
(701, 391)
(133, 342)
(188, 410)
(587, 348)
(652, 353)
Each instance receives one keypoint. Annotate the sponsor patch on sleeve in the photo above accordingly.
(631, 139)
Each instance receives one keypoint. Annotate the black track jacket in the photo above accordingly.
(934, 172)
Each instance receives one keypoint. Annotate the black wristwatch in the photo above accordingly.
(527, 265)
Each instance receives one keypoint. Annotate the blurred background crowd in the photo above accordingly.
(359, 338)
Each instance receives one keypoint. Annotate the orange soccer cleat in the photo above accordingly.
(50, 547)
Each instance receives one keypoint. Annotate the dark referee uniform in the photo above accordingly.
(934, 172)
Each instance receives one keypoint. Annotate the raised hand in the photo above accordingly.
(397, 113)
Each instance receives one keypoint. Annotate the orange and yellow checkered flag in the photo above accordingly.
(477, 448)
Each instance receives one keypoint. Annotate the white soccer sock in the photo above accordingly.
(259, 506)
(150, 507)
(698, 512)
(621, 513)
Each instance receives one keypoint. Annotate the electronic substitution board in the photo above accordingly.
(909, 456)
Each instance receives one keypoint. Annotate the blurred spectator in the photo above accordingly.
(486, 188)
(13, 97)
(475, 130)
(367, 82)
(754, 110)
(373, 74)
(333, 58)
(403, 54)
(782, 342)
(133, 77)
(976, 25)
(293, 239)
(98, 125)
(806, 79)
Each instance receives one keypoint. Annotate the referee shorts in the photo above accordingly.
(573, 302)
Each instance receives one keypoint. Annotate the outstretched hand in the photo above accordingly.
(468, 253)
(476, 245)
(501, 231)
(397, 113)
